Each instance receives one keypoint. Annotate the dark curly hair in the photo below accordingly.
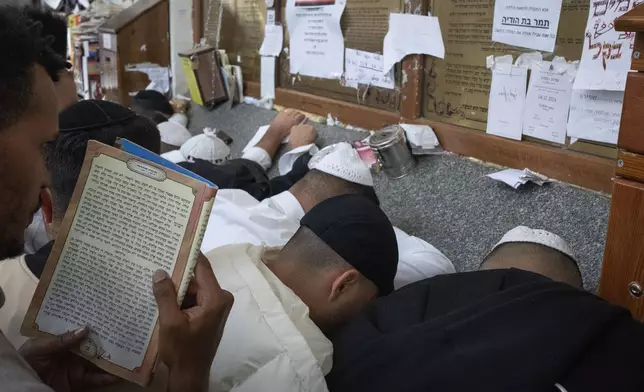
(52, 25)
(22, 46)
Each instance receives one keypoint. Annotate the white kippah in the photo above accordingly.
(342, 161)
(536, 236)
(173, 133)
(206, 146)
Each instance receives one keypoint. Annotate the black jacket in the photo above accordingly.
(504, 330)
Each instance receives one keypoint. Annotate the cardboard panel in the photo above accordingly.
(242, 31)
(364, 25)
(456, 89)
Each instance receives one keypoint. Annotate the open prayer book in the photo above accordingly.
(131, 213)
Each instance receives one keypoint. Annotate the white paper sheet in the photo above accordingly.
(507, 99)
(548, 101)
(512, 177)
(421, 135)
(107, 41)
(606, 56)
(515, 178)
(527, 23)
(595, 115)
(366, 68)
(270, 17)
(267, 86)
(159, 76)
(261, 131)
(315, 37)
(412, 34)
(273, 40)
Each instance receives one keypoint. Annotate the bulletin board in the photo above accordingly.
(456, 89)
(364, 25)
(242, 31)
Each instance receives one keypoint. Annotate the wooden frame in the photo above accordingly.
(585, 170)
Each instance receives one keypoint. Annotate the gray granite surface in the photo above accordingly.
(450, 203)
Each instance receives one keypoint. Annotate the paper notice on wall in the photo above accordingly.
(527, 23)
(548, 100)
(507, 98)
(606, 56)
(159, 76)
(267, 85)
(270, 17)
(316, 44)
(412, 34)
(595, 115)
(366, 68)
(273, 40)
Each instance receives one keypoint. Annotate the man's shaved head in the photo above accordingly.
(535, 258)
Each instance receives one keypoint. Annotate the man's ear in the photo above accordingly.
(344, 283)
(47, 206)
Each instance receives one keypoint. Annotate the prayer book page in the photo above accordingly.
(128, 217)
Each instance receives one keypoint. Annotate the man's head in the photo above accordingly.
(537, 251)
(54, 30)
(28, 120)
(343, 256)
(335, 170)
(152, 103)
(103, 121)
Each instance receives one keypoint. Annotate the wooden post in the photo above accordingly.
(622, 279)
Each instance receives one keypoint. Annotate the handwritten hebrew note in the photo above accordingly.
(507, 101)
(606, 56)
(117, 240)
(548, 101)
(527, 23)
(595, 115)
(362, 67)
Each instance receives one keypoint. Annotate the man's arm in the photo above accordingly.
(188, 339)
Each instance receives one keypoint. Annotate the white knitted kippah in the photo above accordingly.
(536, 236)
(342, 161)
(206, 146)
(173, 133)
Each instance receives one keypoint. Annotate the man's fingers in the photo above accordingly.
(166, 297)
(209, 292)
(54, 344)
(205, 281)
(299, 116)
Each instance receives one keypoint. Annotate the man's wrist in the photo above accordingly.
(188, 378)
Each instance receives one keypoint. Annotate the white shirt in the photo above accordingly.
(269, 342)
(15, 374)
(36, 234)
(18, 285)
(238, 218)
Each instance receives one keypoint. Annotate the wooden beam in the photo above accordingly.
(630, 165)
(623, 266)
(572, 167)
(411, 87)
(411, 84)
(197, 20)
